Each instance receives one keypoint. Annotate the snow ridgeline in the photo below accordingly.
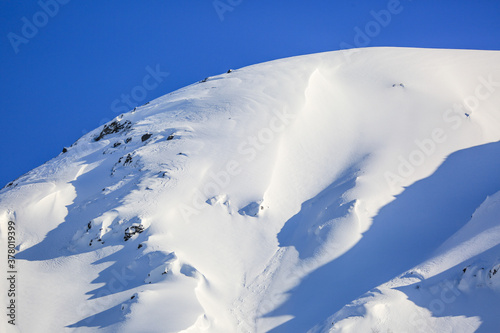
(309, 193)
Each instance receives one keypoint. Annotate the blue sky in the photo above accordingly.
(68, 66)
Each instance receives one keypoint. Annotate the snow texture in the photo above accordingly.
(331, 192)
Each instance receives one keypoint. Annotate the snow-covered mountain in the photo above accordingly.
(350, 191)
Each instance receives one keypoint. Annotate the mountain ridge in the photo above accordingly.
(221, 207)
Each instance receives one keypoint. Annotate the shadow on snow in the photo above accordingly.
(129, 266)
(403, 234)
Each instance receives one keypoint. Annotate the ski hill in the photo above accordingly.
(347, 191)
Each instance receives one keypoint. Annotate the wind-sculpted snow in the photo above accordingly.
(304, 194)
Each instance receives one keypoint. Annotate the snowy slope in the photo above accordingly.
(342, 192)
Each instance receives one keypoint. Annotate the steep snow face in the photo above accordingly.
(322, 193)
(455, 290)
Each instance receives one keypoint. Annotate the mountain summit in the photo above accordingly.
(348, 191)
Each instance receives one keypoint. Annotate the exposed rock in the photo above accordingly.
(132, 230)
(113, 127)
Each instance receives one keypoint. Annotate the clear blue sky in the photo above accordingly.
(65, 67)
